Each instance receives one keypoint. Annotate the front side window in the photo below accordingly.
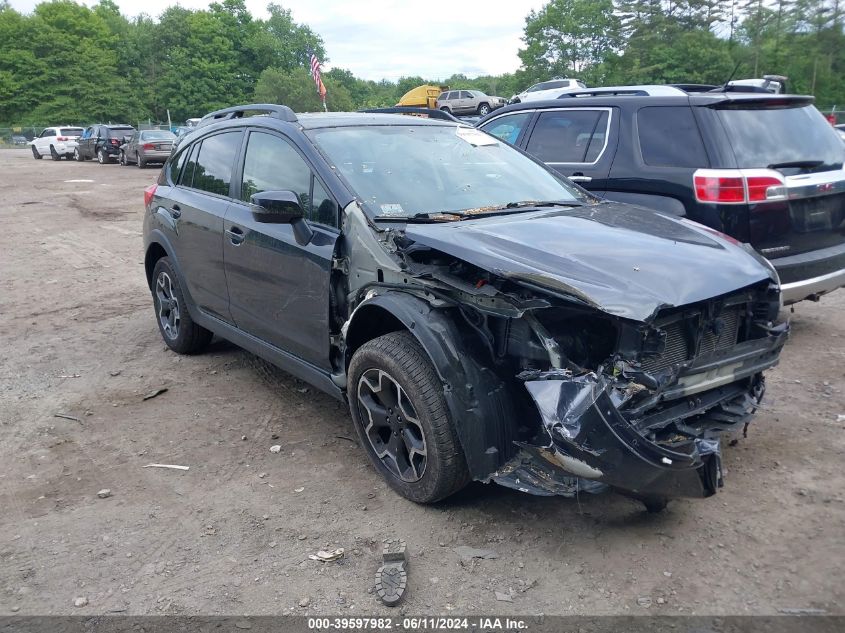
(508, 127)
(216, 160)
(399, 171)
(570, 136)
(465, 94)
(272, 164)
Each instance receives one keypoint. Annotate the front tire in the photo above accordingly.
(77, 156)
(122, 159)
(35, 153)
(402, 420)
(178, 330)
(141, 162)
(483, 109)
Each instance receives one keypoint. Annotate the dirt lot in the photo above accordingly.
(233, 534)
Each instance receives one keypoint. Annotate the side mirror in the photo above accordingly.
(282, 207)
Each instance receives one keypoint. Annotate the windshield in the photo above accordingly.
(157, 135)
(761, 137)
(403, 171)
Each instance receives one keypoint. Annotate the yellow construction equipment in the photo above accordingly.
(424, 96)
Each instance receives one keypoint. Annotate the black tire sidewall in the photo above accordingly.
(191, 338)
(437, 481)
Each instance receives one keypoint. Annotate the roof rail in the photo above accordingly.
(625, 91)
(428, 112)
(236, 112)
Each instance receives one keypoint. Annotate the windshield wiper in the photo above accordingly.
(809, 164)
(542, 203)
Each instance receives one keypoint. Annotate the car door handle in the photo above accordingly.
(176, 211)
(580, 178)
(236, 235)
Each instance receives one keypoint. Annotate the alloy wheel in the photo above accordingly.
(167, 306)
(391, 425)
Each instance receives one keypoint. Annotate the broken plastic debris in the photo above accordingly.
(327, 557)
(300, 489)
(66, 417)
(276, 448)
(155, 393)
(504, 597)
(171, 466)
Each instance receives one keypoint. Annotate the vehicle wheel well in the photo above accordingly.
(370, 322)
(154, 253)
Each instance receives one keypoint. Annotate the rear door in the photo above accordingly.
(198, 203)
(577, 142)
(278, 288)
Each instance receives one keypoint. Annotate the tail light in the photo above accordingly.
(739, 186)
(147, 146)
(149, 192)
(114, 141)
(62, 138)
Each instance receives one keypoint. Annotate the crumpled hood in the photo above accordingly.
(624, 260)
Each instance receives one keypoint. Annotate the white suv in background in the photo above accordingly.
(551, 89)
(55, 142)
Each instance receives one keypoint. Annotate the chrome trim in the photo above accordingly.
(814, 185)
(816, 286)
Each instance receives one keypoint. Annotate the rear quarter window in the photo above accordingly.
(669, 137)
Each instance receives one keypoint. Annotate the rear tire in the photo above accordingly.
(141, 162)
(178, 330)
(102, 157)
(402, 420)
(35, 153)
(54, 154)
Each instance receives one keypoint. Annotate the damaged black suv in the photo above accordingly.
(484, 318)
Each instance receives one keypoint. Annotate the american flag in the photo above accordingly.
(315, 74)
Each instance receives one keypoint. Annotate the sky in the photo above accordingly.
(388, 39)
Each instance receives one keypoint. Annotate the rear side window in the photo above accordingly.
(669, 137)
(570, 136)
(213, 169)
(187, 176)
(177, 163)
(508, 127)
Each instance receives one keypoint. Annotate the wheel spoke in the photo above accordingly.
(391, 425)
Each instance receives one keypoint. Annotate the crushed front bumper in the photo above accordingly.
(588, 444)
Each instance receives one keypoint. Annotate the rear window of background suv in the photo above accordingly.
(669, 137)
(761, 137)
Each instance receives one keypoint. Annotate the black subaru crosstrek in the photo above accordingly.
(765, 169)
(483, 317)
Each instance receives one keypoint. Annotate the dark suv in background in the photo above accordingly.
(484, 318)
(102, 142)
(764, 169)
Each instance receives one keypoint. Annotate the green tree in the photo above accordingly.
(296, 89)
(569, 36)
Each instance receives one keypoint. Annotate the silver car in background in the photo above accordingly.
(468, 102)
(147, 146)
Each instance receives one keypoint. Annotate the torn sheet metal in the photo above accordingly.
(589, 439)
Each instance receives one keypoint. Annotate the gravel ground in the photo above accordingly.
(233, 533)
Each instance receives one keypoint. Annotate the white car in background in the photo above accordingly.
(55, 142)
(551, 89)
